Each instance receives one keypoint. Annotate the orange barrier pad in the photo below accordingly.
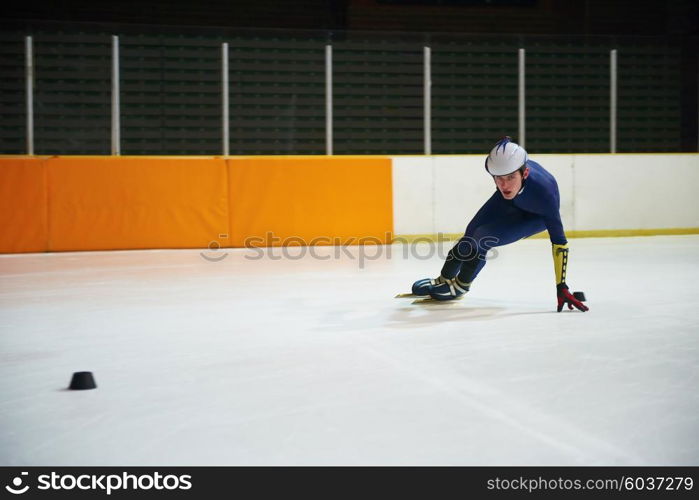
(23, 208)
(310, 200)
(111, 203)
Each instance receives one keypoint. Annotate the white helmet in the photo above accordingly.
(505, 158)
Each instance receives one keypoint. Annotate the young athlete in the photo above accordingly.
(526, 202)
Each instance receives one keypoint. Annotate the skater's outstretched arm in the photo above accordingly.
(563, 295)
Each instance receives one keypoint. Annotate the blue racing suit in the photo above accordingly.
(500, 222)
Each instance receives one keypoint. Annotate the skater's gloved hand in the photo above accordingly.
(565, 297)
(560, 263)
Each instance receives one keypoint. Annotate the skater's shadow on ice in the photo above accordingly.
(417, 316)
(410, 316)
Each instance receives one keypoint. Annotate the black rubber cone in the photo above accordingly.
(82, 381)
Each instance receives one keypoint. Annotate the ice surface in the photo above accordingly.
(276, 360)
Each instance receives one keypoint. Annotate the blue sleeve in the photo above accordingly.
(540, 196)
(555, 229)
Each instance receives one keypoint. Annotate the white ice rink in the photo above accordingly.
(313, 361)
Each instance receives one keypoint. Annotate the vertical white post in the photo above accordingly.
(116, 109)
(224, 100)
(29, 72)
(522, 130)
(328, 99)
(612, 100)
(427, 91)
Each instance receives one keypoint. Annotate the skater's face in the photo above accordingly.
(509, 185)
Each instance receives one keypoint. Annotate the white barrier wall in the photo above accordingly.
(636, 191)
(599, 192)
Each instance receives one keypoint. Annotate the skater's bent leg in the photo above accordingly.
(466, 249)
(463, 251)
(489, 236)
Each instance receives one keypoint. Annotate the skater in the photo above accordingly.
(525, 203)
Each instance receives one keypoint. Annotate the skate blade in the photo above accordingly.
(409, 296)
(430, 300)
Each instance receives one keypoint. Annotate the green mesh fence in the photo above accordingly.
(171, 92)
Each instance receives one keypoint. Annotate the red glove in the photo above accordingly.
(565, 297)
